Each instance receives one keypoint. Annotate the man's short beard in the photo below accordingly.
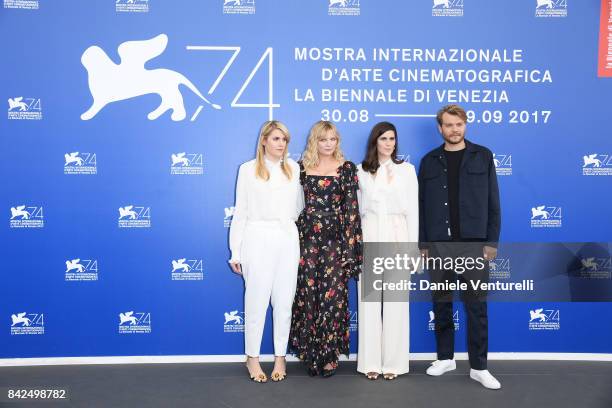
(449, 141)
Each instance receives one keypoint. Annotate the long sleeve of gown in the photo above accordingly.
(299, 206)
(352, 250)
(412, 210)
(240, 216)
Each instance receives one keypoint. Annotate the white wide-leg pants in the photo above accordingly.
(270, 257)
(384, 327)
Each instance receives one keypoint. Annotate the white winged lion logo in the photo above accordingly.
(17, 103)
(20, 318)
(537, 314)
(110, 82)
(233, 316)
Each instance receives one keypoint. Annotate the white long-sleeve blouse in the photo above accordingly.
(276, 200)
(393, 191)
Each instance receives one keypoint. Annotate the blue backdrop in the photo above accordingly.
(82, 278)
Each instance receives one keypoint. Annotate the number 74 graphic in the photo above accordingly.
(268, 54)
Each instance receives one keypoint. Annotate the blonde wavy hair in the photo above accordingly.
(310, 157)
(260, 165)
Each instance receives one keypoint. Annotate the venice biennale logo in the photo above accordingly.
(447, 8)
(238, 6)
(24, 108)
(544, 216)
(503, 164)
(234, 322)
(187, 269)
(134, 322)
(551, 8)
(595, 268)
(499, 268)
(186, 163)
(110, 82)
(597, 165)
(27, 216)
(80, 163)
(344, 8)
(81, 270)
(131, 216)
(27, 323)
(132, 6)
(544, 319)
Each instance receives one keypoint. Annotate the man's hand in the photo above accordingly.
(489, 253)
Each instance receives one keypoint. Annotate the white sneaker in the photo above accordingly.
(439, 367)
(485, 378)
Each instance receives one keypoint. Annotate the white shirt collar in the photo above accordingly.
(271, 164)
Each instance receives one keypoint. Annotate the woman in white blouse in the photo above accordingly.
(388, 203)
(265, 245)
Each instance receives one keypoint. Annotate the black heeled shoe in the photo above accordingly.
(312, 371)
(329, 372)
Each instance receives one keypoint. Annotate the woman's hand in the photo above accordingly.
(236, 267)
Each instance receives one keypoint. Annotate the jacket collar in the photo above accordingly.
(469, 148)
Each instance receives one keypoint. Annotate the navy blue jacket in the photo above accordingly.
(479, 208)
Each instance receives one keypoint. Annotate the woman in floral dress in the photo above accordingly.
(331, 252)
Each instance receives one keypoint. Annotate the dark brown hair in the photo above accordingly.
(455, 110)
(370, 163)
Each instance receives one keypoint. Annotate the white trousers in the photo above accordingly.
(384, 327)
(270, 257)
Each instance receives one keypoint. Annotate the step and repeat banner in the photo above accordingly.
(126, 120)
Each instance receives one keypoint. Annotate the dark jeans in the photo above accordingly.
(473, 300)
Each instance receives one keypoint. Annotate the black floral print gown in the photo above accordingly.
(330, 235)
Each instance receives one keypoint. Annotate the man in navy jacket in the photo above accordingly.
(459, 214)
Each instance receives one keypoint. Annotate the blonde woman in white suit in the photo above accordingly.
(388, 202)
(265, 245)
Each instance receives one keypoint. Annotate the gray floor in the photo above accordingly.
(524, 384)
